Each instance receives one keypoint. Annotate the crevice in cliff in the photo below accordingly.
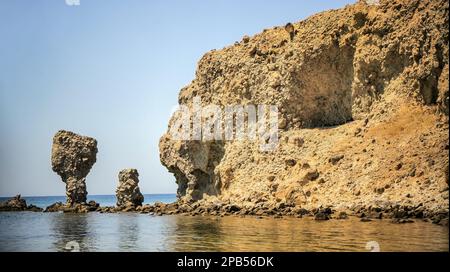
(199, 180)
(206, 182)
(181, 180)
(429, 84)
(323, 94)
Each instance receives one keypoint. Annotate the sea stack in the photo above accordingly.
(72, 158)
(128, 193)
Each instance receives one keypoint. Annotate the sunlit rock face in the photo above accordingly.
(73, 156)
(128, 193)
(362, 97)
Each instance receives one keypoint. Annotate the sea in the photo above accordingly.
(35, 231)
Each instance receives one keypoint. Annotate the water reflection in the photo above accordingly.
(128, 232)
(70, 230)
(291, 234)
(141, 232)
(195, 233)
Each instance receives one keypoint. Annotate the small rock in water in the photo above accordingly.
(401, 221)
(342, 215)
(321, 216)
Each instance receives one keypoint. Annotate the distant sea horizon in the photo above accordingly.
(103, 200)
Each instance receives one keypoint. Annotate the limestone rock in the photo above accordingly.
(127, 192)
(72, 158)
(91, 206)
(55, 207)
(14, 204)
(17, 204)
(34, 208)
(378, 69)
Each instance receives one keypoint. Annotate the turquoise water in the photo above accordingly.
(104, 200)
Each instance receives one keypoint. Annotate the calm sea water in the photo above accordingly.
(28, 231)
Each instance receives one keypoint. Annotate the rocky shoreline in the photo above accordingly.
(18, 204)
(395, 213)
(362, 98)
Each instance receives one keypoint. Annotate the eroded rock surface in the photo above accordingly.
(365, 85)
(72, 158)
(128, 193)
(91, 206)
(14, 204)
(17, 204)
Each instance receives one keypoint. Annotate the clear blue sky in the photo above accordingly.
(110, 69)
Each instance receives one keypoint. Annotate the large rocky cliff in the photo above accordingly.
(362, 94)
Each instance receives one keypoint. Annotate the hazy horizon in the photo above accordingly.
(111, 70)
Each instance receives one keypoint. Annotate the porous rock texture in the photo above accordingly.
(128, 193)
(72, 158)
(362, 94)
(16, 204)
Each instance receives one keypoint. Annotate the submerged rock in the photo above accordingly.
(322, 214)
(128, 193)
(72, 158)
(342, 215)
(401, 221)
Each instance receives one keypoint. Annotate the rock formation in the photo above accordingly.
(72, 158)
(55, 207)
(128, 193)
(91, 206)
(362, 94)
(16, 204)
